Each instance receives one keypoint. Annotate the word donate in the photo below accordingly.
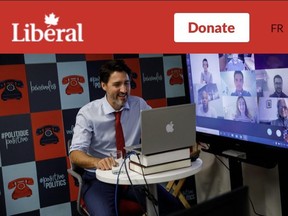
(224, 28)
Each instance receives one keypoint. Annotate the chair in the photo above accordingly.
(126, 207)
(76, 173)
(174, 187)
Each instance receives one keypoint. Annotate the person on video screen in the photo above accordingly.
(282, 114)
(239, 81)
(235, 63)
(278, 85)
(204, 109)
(206, 76)
(242, 112)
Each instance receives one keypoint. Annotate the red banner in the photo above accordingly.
(137, 26)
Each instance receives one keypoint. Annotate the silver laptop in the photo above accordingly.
(166, 128)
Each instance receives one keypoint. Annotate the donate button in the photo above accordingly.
(211, 27)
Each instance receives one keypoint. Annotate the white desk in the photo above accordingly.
(137, 179)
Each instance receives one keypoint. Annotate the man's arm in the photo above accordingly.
(83, 160)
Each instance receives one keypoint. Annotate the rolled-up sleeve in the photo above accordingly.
(82, 133)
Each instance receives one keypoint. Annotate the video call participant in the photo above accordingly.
(282, 114)
(204, 109)
(235, 63)
(242, 112)
(206, 76)
(278, 85)
(94, 140)
(239, 81)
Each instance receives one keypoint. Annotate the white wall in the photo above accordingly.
(264, 191)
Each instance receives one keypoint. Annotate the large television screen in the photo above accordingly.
(241, 100)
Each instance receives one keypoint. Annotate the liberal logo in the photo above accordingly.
(31, 33)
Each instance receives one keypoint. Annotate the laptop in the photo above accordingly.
(166, 129)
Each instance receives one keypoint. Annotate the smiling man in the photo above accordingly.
(94, 139)
(94, 134)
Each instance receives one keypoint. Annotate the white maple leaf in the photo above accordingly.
(51, 20)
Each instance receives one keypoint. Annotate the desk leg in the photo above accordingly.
(151, 209)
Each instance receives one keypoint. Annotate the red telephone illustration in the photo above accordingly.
(11, 89)
(21, 187)
(49, 136)
(176, 76)
(73, 82)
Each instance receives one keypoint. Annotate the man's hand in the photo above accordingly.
(105, 163)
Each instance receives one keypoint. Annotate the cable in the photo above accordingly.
(222, 163)
(146, 190)
(117, 184)
(254, 208)
(116, 191)
(131, 183)
(256, 213)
